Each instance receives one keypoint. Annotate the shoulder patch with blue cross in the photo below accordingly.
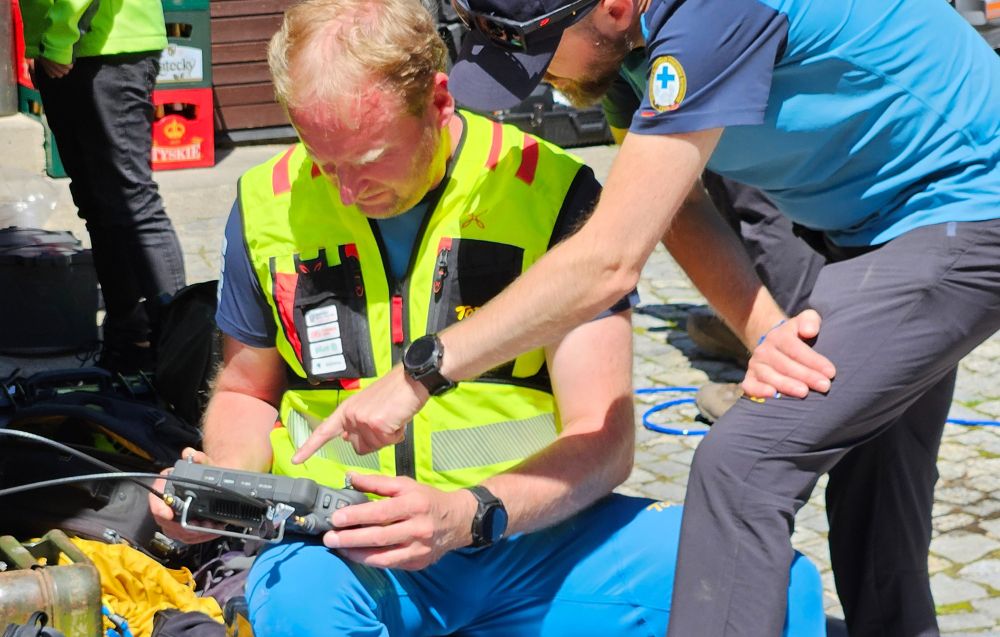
(667, 83)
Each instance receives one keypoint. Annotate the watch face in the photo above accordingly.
(495, 523)
(419, 353)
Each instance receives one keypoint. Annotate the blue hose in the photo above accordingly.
(667, 405)
(701, 432)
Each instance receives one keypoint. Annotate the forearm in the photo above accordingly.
(565, 478)
(727, 280)
(236, 430)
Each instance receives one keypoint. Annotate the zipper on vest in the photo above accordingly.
(404, 451)
(441, 266)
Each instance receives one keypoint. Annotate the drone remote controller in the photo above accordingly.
(265, 506)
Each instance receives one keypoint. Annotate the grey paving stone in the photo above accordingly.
(963, 548)
(958, 495)
(953, 521)
(936, 564)
(989, 606)
(956, 452)
(948, 590)
(991, 408)
(984, 572)
(664, 491)
(983, 467)
(640, 475)
(671, 469)
(987, 483)
(964, 621)
(987, 507)
(992, 527)
(951, 472)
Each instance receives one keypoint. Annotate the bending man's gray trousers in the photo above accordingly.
(896, 322)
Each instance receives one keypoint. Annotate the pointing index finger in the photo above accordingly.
(330, 428)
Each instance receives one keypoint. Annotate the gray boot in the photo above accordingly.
(714, 399)
(712, 336)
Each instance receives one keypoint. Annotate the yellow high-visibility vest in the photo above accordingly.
(343, 320)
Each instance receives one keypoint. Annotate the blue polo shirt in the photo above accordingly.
(860, 119)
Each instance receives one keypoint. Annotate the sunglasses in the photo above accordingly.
(512, 34)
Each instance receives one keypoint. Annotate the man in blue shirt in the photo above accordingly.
(876, 124)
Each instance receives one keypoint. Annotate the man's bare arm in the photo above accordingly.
(243, 407)
(591, 371)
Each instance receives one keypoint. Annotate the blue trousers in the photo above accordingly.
(608, 570)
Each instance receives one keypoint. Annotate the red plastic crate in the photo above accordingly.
(183, 132)
(20, 63)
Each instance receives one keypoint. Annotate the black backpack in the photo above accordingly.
(103, 416)
(188, 350)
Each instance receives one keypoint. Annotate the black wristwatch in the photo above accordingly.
(422, 362)
(490, 522)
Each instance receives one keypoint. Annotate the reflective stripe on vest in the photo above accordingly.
(342, 321)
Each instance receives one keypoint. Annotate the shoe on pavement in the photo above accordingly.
(714, 399)
(712, 336)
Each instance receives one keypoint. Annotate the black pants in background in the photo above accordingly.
(101, 115)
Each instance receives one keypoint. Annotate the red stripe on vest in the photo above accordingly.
(529, 160)
(350, 383)
(284, 298)
(280, 183)
(444, 244)
(495, 146)
(315, 172)
(351, 250)
(397, 320)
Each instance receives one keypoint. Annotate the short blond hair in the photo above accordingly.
(331, 50)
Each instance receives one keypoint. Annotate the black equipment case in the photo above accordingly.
(50, 287)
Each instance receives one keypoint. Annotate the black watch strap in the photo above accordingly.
(435, 382)
(490, 522)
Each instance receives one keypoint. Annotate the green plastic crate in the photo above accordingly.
(185, 5)
(30, 103)
(187, 60)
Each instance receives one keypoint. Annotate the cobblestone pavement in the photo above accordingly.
(965, 560)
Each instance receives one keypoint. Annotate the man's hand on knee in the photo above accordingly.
(784, 363)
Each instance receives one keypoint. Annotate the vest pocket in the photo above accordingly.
(468, 273)
(330, 318)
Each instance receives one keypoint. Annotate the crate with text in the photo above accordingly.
(186, 62)
(29, 102)
(183, 135)
(20, 63)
